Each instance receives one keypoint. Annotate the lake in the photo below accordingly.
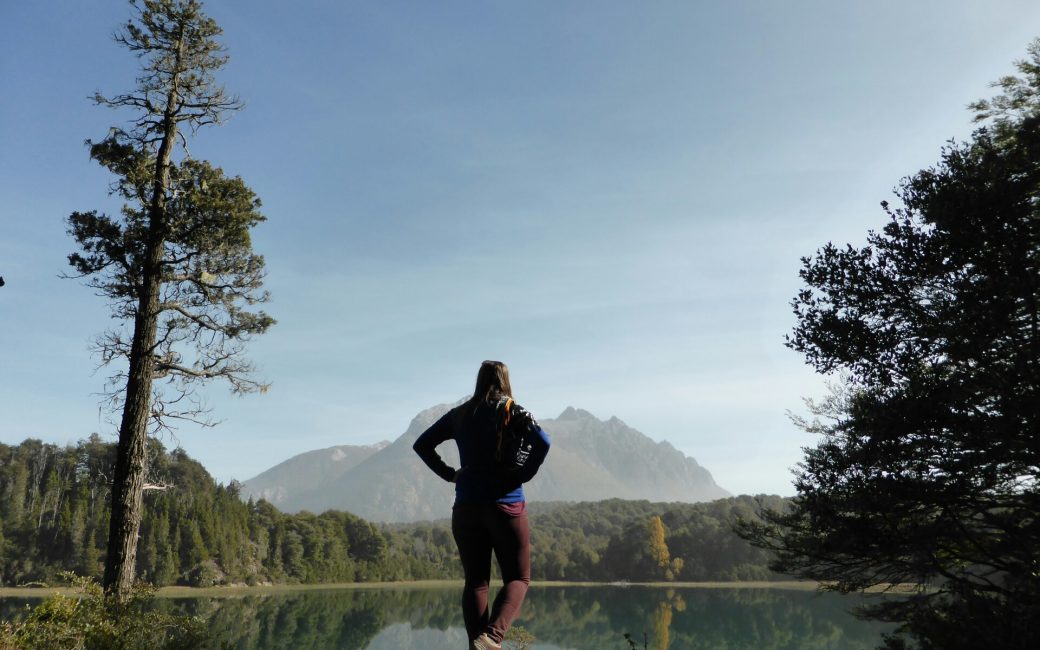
(564, 617)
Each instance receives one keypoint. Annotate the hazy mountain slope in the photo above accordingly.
(611, 457)
(283, 484)
(590, 459)
(392, 484)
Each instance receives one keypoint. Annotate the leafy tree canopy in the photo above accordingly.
(927, 469)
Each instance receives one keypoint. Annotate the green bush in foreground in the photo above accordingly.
(517, 638)
(90, 621)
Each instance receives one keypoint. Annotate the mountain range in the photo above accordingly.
(590, 460)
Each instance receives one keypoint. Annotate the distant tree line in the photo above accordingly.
(644, 541)
(54, 508)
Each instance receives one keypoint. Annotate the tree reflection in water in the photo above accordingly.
(560, 617)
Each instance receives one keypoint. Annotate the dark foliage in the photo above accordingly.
(196, 532)
(927, 470)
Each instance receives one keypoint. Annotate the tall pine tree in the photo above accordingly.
(176, 265)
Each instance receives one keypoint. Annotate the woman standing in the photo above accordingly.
(490, 513)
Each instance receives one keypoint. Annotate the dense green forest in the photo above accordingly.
(54, 505)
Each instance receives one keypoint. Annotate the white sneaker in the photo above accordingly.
(484, 642)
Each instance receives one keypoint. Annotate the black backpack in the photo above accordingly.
(517, 435)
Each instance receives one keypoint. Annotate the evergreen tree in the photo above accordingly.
(927, 469)
(177, 265)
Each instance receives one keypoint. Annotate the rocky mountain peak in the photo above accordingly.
(573, 414)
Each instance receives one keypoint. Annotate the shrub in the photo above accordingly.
(92, 621)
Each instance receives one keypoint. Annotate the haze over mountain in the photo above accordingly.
(590, 460)
(307, 471)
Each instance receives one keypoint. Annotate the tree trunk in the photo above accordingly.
(130, 467)
(129, 473)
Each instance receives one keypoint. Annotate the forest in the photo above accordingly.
(54, 511)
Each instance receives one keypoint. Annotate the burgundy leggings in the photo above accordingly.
(480, 528)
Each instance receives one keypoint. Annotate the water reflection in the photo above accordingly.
(579, 618)
(566, 617)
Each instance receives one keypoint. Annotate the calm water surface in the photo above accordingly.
(579, 618)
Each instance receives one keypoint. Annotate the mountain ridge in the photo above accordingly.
(590, 460)
(277, 484)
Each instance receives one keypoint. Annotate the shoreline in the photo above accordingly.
(238, 591)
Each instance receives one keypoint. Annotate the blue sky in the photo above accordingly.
(611, 197)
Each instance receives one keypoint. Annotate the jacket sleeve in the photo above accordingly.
(426, 447)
